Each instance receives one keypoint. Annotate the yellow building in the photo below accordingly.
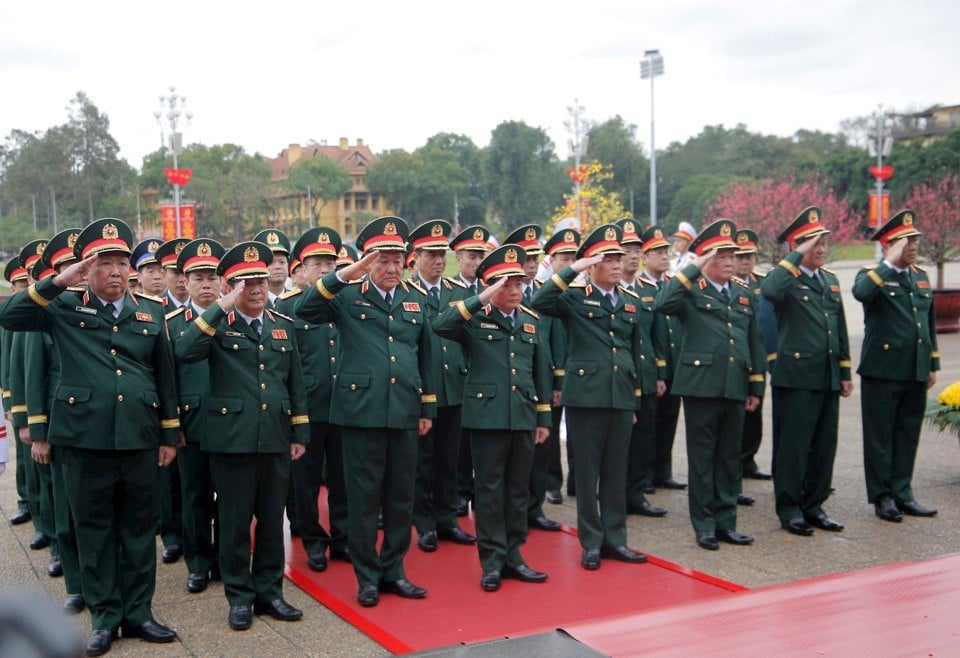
(348, 214)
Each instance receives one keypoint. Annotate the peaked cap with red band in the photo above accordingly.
(899, 226)
(806, 225)
(717, 235)
(103, 235)
(503, 261)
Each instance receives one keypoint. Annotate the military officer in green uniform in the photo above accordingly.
(506, 408)
(16, 275)
(898, 363)
(720, 375)
(173, 297)
(198, 260)
(383, 399)
(528, 237)
(255, 422)
(813, 371)
(668, 338)
(601, 387)
(435, 498)
(17, 375)
(151, 276)
(747, 241)
(323, 461)
(469, 248)
(651, 377)
(561, 251)
(279, 244)
(115, 415)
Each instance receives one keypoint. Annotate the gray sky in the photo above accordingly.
(264, 75)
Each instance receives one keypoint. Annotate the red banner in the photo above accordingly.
(884, 209)
(188, 221)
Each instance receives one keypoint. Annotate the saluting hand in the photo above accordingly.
(228, 301)
(357, 269)
(583, 263)
(895, 251)
(807, 246)
(75, 273)
(487, 293)
(702, 259)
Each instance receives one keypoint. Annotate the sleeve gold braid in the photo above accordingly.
(789, 267)
(755, 378)
(560, 282)
(18, 409)
(846, 363)
(875, 277)
(682, 278)
(300, 420)
(322, 289)
(428, 398)
(39, 419)
(543, 408)
(37, 298)
(204, 327)
(171, 424)
(559, 372)
(464, 313)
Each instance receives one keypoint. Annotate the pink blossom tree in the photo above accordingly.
(769, 206)
(937, 206)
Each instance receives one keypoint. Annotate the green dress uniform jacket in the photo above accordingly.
(386, 373)
(812, 359)
(722, 355)
(899, 353)
(249, 375)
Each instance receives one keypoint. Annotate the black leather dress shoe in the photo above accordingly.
(490, 581)
(317, 561)
(98, 643)
(74, 604)
(278, 609)
(21, 517)
(554, 497)
(734, 537)
(457, 535)
(670, 483)
(368, 596)
(887, 510)
(543, 523)
(707, 540)
(196, 582)
(55, 567)
(524, 573)
(462, 507)
(797, 527)
(427, 542)
(340, 554)
(403, 588)
(172, 553)
(646, 509)
(240, 617)
(913, 508)
(590, 560)
(824, 522)
(151, 631)
(758, 475)
(623, 554)
(745, 500)
(39, 541)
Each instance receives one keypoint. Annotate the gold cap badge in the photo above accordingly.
(725, 230)
(510, 256)
(251, 255)
(110, 232)
(390, 229)
(436, 231)
(203, 250)
(610, 234)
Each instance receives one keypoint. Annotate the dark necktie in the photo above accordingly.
(659, 285)
(388, 298)
(256, 325)
(725, 292)
(434, 293)
(609, 298)
(473, 288)
(509, 320)
(526, 295)
(114, 311)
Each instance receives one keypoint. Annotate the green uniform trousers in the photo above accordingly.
(380, 467)
(46, 519)
(501, 461)
(642, 455)
(892, 419)
(438, 454)
(112, 494)
(602, 443)
(251, 485)
(554, 466)
(752, 437)
(714, 433)
(806, 450)
(665, 429)
(63, 524)
(321, 463)
(199, 525)
(23, 460)
(171, 507)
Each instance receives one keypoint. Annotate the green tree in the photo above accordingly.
(470, 201)
(324, 178)
(394, 177)
(614, 142)
(522, 177)
(691, 203)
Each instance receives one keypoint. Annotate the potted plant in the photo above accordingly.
(937, 206)
(943, 414)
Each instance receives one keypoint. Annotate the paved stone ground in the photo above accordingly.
(776, 557)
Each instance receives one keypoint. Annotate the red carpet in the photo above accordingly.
(456, 610)
(904, 609)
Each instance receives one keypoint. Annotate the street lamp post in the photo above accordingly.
(651, 66)
(880, 146)
(171, 109)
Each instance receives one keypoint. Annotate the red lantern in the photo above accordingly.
(178, 176)
(884, 173)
